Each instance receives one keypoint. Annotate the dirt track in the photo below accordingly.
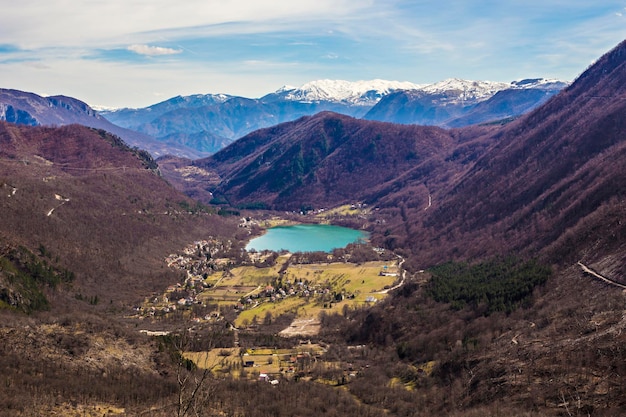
(600, 277)
(302, 327)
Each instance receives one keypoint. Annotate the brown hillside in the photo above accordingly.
(325, 160)
(547, 178)
(90, 200)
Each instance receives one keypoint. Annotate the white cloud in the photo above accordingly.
(37, 65)
(152, 50)
(73, 49)
(34, 24)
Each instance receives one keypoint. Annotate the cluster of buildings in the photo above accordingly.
(300, 288)
(197, 259)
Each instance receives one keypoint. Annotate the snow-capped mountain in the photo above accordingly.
(459, 90)
(208, 122)
(360, 93)
(368, 93)
(455, 102)
(539, 83)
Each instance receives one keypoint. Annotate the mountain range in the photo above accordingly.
(458, 103)
(207, 123)
(33, 110)
(198, 125)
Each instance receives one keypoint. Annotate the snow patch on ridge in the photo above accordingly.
(466, 90)
(367, 93)
(354, 92)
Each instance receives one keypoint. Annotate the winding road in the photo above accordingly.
(401, 281)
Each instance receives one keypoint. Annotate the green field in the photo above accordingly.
(330, 286)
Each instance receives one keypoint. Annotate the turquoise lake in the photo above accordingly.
(306, 238)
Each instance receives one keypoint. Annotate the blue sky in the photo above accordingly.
(133, 53)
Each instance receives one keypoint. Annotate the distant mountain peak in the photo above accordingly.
(285, 88)
(369, 92)
(466, 89)
(539, 83)
(364, 92)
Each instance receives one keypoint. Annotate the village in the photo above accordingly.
(222, 282)
(218, 279)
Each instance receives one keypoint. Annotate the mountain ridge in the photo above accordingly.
(328, 158)
(221, 122)
(33, 110)
(458, 103)
(360, 93)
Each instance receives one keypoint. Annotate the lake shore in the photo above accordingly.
(306, 238)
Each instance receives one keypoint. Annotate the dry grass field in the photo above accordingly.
(250, 363)
(345, 210)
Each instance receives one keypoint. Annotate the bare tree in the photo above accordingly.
(195, 387)
(193, 379)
